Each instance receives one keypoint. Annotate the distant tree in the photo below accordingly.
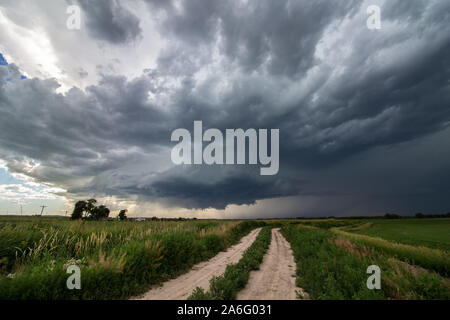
(391, 216)
(103, 212)
(420, 215)
(89, 210)
(90, 207)
(79, 210)
(99, 213)
(123, 215)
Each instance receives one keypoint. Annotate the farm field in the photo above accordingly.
(332, 264)
(224, 260)
(433, 233)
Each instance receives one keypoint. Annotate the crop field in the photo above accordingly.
(432, 233)
(331, 264)
(224, 260)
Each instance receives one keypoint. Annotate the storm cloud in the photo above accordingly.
(108, 20)
(358, 109)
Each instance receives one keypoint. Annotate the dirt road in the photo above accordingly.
(199, 276)
(275, 280)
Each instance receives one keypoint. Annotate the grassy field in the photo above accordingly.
(432, 233)
(331, 265)
(119, 259)
(122, 259)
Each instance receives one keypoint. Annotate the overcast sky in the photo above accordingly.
(363, 114)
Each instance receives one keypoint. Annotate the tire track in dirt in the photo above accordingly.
(275, 279)
(181, 288)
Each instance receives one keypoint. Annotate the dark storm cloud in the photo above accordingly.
(201, 195)
(282, 33)
(196, 188)
(109, 21)
(202, 188)
(78, 134)
(340, 94)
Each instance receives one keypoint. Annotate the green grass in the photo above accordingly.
(327, 223)
(325, 271)
(121, 258)
(432, 259)
(432, 233)
(236, 276)
(332, 267)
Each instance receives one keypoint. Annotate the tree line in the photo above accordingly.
(88, 210)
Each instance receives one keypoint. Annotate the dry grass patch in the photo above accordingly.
(346, 244)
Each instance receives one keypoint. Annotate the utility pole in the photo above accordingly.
(21, 212)
(42, 211)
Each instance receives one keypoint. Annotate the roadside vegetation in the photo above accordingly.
(123, 258)
(236, 276)
(118, 259)
(331, 265)
(432, 259)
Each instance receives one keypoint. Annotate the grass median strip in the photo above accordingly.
(236, 276)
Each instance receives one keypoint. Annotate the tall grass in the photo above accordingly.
(122, 258)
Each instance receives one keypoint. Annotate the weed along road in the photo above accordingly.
(275, 280)
(199, 276)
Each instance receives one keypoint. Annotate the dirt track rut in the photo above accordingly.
(275, 280)
(199, 276)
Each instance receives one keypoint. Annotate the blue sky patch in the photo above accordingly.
(3, 61)
(7, 178)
